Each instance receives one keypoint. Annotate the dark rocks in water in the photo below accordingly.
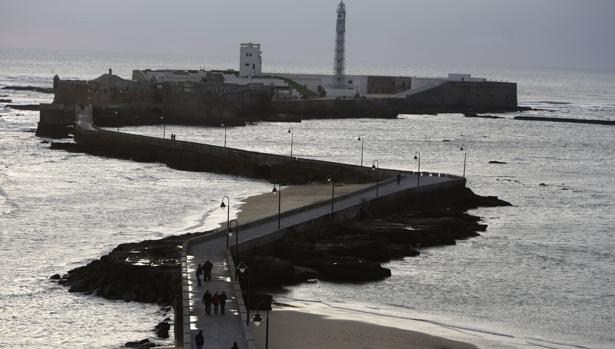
(497, 162)
(148, 271)
(67, 146)
(162, 329)
(142, 344)
(30, 88)
(474, 115)
(268, 270)
(3, 100)
(54, 277)
(33, 107)
(349, 269)
(543, 185)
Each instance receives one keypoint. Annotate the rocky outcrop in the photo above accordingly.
(30, 88)
(352, 251)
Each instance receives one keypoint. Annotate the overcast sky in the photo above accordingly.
(526, 33)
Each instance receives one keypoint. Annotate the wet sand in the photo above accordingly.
(298, 330)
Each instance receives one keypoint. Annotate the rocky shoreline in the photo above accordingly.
(150, 271)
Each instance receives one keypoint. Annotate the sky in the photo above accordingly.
(519, 33)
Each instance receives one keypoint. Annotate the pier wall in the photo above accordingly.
(203, 157)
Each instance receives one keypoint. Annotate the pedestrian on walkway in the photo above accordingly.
(235, 346)
(398, 178)
(207, 267)
(199, 340)
(222, 302)
(207, 300)
(199, 271)
(216, 300)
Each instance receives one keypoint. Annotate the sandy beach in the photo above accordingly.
(298, 330)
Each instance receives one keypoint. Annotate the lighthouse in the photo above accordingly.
(340, 32)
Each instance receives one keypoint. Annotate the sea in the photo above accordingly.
(541, 276)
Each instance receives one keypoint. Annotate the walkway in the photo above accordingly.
(222, 331)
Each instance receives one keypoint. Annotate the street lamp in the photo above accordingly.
(230, 233)
(278, 191)
(164, 127)
(258, 320)
(292, 139)
(330, 179)
(222, 125)
(228, 215)
(361, 140)
(417, 156)
(117, 121)
(465, 157)
(243, 269)
(375, 168)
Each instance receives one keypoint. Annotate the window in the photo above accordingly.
(247, 64)
(350, 81)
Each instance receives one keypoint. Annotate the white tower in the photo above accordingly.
(340, 32)
(250, 61)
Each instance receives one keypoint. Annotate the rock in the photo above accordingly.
(348, 269)
(30, 88)
(54, 277)
(497, 162)
(5, 100)
(142, 344)
(542, 185)
(162, 329)
(33, 107)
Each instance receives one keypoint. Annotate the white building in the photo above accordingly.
(250, 60)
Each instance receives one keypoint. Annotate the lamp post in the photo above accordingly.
(117, 121)
(258, 320)
(243, 269)
(228, 215)
(375, 168)
(278, 191)
(417, 156)
(465, 157)
(292, 140)
(164, 127)
(222, 125)
(330, 179)
(230, 233)
(361, 140)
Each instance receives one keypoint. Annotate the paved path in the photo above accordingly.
(222, 331)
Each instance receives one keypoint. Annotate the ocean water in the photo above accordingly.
(543, 273)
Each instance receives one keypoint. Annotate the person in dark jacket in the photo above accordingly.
(222, 302)
(216, 301)
(235, 346)
(199, 340)
(199, 271)
(207, 267)
(207, 300)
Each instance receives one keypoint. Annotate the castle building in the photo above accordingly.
(339, 57)
(250, 60)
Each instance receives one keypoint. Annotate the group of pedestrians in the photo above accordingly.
(217, 299)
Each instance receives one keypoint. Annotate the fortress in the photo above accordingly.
(233, 97)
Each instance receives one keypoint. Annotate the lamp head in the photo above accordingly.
(222, 204)
(275, 190)
(242, 267)
(257, 319)
(229, 232)
(415, 157)
(358, 139)
(373, 167)
(290, 130)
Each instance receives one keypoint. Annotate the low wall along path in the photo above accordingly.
(220, 331)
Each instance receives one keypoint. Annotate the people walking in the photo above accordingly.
(222, 302)
(207, 298)
(199, 271)
(216, 301)
(199, 340)
(235, 346)
(207, 267)
(398, 178)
